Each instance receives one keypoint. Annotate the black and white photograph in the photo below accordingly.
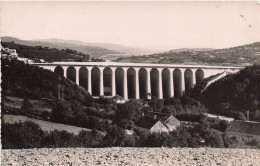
(138, 83)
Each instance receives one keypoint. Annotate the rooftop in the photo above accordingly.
(246, 127)
(146, 122)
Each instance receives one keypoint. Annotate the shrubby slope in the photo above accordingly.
(235, 93)
(46, 53)
(23, 80)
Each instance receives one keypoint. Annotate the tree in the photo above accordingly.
(240, 116)
(215, 140)
(166, 110)
(130, 110)
(126, 124)
(114, 136)
(21, 135)
(61, 113)
(27, 106)
(156, 104)
(223, 124)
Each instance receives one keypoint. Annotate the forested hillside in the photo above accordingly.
(235, 93)
(48, 54)
(95, 51)
(237, 55)
(23, 80)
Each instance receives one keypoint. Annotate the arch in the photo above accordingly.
(143, 83)
(59, 70)
(177, 82)
(83, 77)
(188, 79)
(199, 75)
(155, 82)
(71, 73)
(166, 83)
(119, 81)
(131, 87)
(107, 77)
(95, 81)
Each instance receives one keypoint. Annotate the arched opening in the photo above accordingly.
(107, 77)
(143, 83)
(199, 75)
(177, 80)
(95, 81)
(83, 77)
(59, 70)
(71, 74)
(131, 87)
(188, 79)
(120, 81)
(155, 82)
(166, 83)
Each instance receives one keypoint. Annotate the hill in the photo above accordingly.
(235, 94)
(241, 55)
(46, 53)
(33, 91)
(36, 82)
(123, 50)
(16, 103)
(96, 50)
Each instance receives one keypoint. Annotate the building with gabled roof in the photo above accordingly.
(152, 124)
(168, 119)
(244, 129)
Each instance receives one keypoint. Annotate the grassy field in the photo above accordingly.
(17, 102)
(132, 156)
(45, 126)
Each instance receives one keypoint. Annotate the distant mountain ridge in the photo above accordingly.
(96, 50)
(190, 49)
(240, 55)
(116, 47)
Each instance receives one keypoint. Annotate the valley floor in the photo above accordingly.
(131, 156)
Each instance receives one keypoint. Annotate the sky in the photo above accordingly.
(153, 25)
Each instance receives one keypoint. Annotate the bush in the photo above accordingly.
(254, 143)
(84, 139)
(26, 107)
(141, 136)
(215, 140)
(231, 142)
(126, 124)
(91, 111)
(131, 110)
(240, 116)
(59, 139)
(223, 124)
(30, 135)
(189, 117)
(62, 113)
(46, 115)
(114, 137)
(160, 140)
(21, 135)
(129, 141)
